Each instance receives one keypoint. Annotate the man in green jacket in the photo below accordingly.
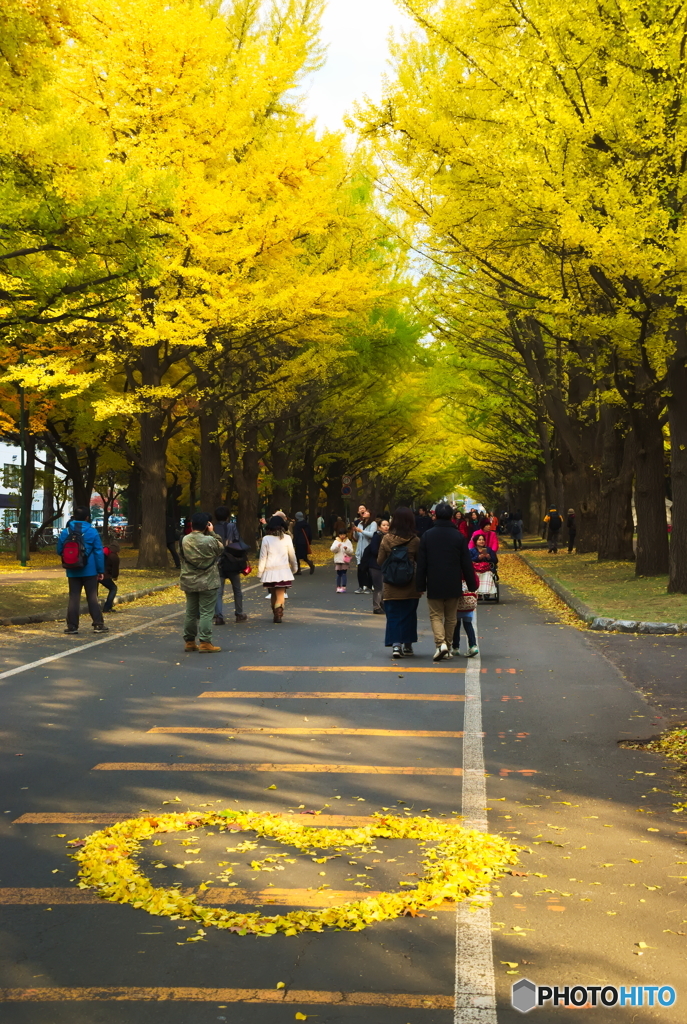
(199, 579)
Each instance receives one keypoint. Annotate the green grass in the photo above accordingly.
(611, 589)
(37, 597)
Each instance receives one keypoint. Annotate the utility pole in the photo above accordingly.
(23, 517)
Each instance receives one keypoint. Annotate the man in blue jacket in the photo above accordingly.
(88, 575)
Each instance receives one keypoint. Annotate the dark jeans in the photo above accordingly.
(341, 577)
(90, 585)
(571, 540)
(172, 548)
(553, 539)
(111, 586)
(364, 578)
(235, 580)
(469, 632)
(517, 542)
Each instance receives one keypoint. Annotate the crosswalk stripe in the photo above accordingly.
(266, 731)
(342, 769)
(226, 995)
(321, 695)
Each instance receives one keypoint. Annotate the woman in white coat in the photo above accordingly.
(277, 564)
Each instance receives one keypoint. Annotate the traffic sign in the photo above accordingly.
(346, 480)
(346, 492)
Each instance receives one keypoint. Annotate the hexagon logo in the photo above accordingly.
(524, 995)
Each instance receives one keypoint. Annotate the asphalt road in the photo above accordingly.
(603, 870)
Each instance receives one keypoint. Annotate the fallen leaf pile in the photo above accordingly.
(459, 867)
(514, 572)
(672, 743)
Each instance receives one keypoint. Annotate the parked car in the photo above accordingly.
(14, 527)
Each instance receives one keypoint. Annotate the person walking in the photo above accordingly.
(516, 527)
(320, 526)
(370, 557)
(423, 521)
(111, 574)
(397, 557)
(302, 539)
(171, 538)
(365, 529)
(572, 529)
(443, 562)
(343, 555)
(81, 549)
(199, 579)
(554, 524)
(231, 563)
(277, 564)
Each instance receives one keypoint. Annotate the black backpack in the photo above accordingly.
(555, 521)
(398, 570)
(233, 558)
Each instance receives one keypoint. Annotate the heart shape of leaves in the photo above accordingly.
(459, 867)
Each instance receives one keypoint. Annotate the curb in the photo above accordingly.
(597, 622)
(26, 620)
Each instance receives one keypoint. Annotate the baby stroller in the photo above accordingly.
(488, 589)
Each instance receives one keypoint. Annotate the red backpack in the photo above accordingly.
(74, 550)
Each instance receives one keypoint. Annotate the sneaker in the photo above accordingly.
(340, 590)
(71, 632)
(101, 628)
(367, 590)
(472, 651)
(396, 652)
(360, 590)
(267, 596)
(218, 620)
(455, 652)
(441, 652)
(407, 650)
(206, 647)
(240, 617)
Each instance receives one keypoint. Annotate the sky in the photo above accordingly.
(355, 33)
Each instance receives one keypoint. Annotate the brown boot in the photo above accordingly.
(240, 617)
(278, 614)
(191, 645)
(206, 647)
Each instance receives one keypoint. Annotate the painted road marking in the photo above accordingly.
(320, 695)
(517, 771)
(71, 818)
(224, 995)
(475, 989)
(342, 769)
(96, 643)
(264, 730)
(404, 670)
(68, 895)
(85, 647)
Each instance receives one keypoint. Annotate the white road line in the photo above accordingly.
(475, 991)
(105, 640)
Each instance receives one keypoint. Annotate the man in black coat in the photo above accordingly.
(443, 562)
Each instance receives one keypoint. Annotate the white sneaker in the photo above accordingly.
(360, 590)
(455, 652)
(441, 652)
(472, 651)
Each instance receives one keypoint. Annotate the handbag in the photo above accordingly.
(348, 558)
(467, 603)
(247, 571)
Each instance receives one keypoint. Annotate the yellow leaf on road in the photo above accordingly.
(280, 984)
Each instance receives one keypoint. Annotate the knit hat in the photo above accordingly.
(299, 516)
